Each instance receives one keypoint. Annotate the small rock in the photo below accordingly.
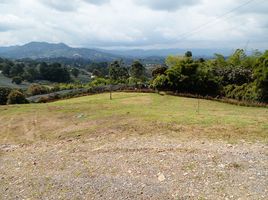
(221, 165)
(80, 116)
(161, 177)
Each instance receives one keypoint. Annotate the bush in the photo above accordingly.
(4, 92)
(245, 92)
(99, 82)
(36, 89)
(16, 97)
(44, 99)
(160, 82)
(159, 71)
(17, 80)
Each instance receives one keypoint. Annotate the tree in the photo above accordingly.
(160, 82)
(219, 61)
(4, 92)
(16, 97)
(96, 73)
(36, 89)
(137, 70)
(17, 80)
(102, 67)
(237, 58)
(43, 69)
(17, 70)
(54, 72)
(261, 75)
(118, 72)
(6, 69)
(75, 72)
(31, 73)
(188, 54)
(159, 71)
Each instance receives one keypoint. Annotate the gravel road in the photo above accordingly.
(115, 166)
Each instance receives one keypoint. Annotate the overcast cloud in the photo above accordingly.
(136, 23)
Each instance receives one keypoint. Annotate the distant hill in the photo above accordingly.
(140, 53)
(39, 50)
(50, 51)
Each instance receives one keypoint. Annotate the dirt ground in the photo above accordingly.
(114, 165)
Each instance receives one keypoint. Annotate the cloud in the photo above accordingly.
(97, 2)
(168, 5)
(4, 1)
(64, 6)
(135, 23)
(5, 27)
(258, 7)
(70, 5)
(10, 22)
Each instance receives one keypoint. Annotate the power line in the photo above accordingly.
(218, 18)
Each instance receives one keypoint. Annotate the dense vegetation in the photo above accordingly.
(20, 71)
(241, 77)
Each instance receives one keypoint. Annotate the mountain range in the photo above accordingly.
(44, 50)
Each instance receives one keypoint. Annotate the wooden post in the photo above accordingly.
(111, 92)
(198, 106)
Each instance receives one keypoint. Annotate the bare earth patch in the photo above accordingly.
(117, 166)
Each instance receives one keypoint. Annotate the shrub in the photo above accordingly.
(99, 82)
(16, 97)
(36, 89)
(44, 99)
(245, 92)
(159, 71)
(160, 82)
(17, 80)
(4, 92)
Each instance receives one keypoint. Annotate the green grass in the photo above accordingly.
(133, 113)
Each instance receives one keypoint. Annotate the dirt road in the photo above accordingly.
(115, 166)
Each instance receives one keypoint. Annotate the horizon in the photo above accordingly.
(115, 25)
(216, 50)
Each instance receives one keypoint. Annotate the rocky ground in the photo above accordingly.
(119, 166)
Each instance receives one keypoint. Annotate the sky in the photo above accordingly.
(132, 24)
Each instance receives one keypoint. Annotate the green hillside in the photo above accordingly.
(175, 116)
(136, 146)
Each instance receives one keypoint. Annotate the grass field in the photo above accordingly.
(136, 146)
(175, 116)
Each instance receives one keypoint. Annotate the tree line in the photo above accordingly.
(240, 76)
(30, 72)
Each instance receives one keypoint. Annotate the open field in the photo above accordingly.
(137, 146)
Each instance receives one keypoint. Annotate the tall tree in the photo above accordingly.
(118, 72)
(137, 70)
(75, 72)
(188, 54)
